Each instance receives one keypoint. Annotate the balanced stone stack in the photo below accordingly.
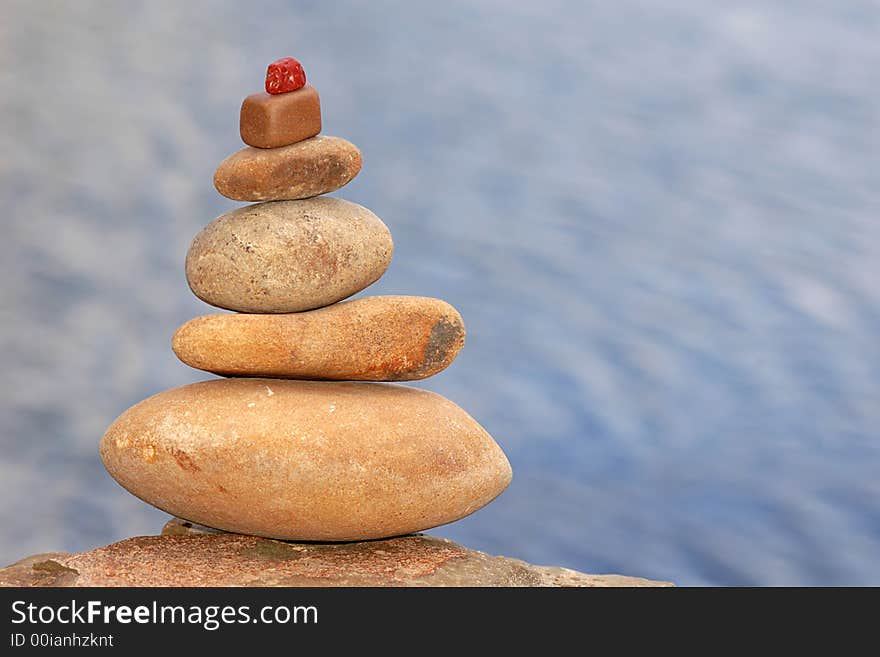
(301, 442)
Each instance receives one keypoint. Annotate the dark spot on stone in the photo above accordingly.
(445, 340)
(52, 573)
(184, 460)
(221, 489)
(54, 568)
(235, 239)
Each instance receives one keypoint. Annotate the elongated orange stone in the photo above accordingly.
(383, 338)
(270, 121)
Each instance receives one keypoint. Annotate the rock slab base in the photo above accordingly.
(187, 555)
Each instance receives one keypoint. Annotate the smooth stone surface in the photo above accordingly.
(195, 559)
(308, 168)
(271, 121)
(384, 338)
(288, 256)
(306, 460)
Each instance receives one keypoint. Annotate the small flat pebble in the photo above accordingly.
(308, 168)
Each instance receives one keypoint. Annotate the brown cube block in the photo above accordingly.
(270, 121)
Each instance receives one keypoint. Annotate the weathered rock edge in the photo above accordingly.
(187, 555)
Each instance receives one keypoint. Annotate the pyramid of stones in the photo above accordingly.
(302, 440)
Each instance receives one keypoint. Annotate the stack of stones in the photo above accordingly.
(300, 442)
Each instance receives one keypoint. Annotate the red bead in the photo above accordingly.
(285, 75)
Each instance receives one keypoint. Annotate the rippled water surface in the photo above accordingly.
(660, 221)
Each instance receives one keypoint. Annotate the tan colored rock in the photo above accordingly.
(275, 120)
(236, 560)
(385, 338)
(308, 168)
(306, 460)
(288, 256)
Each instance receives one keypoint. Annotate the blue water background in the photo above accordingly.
(660, 221)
